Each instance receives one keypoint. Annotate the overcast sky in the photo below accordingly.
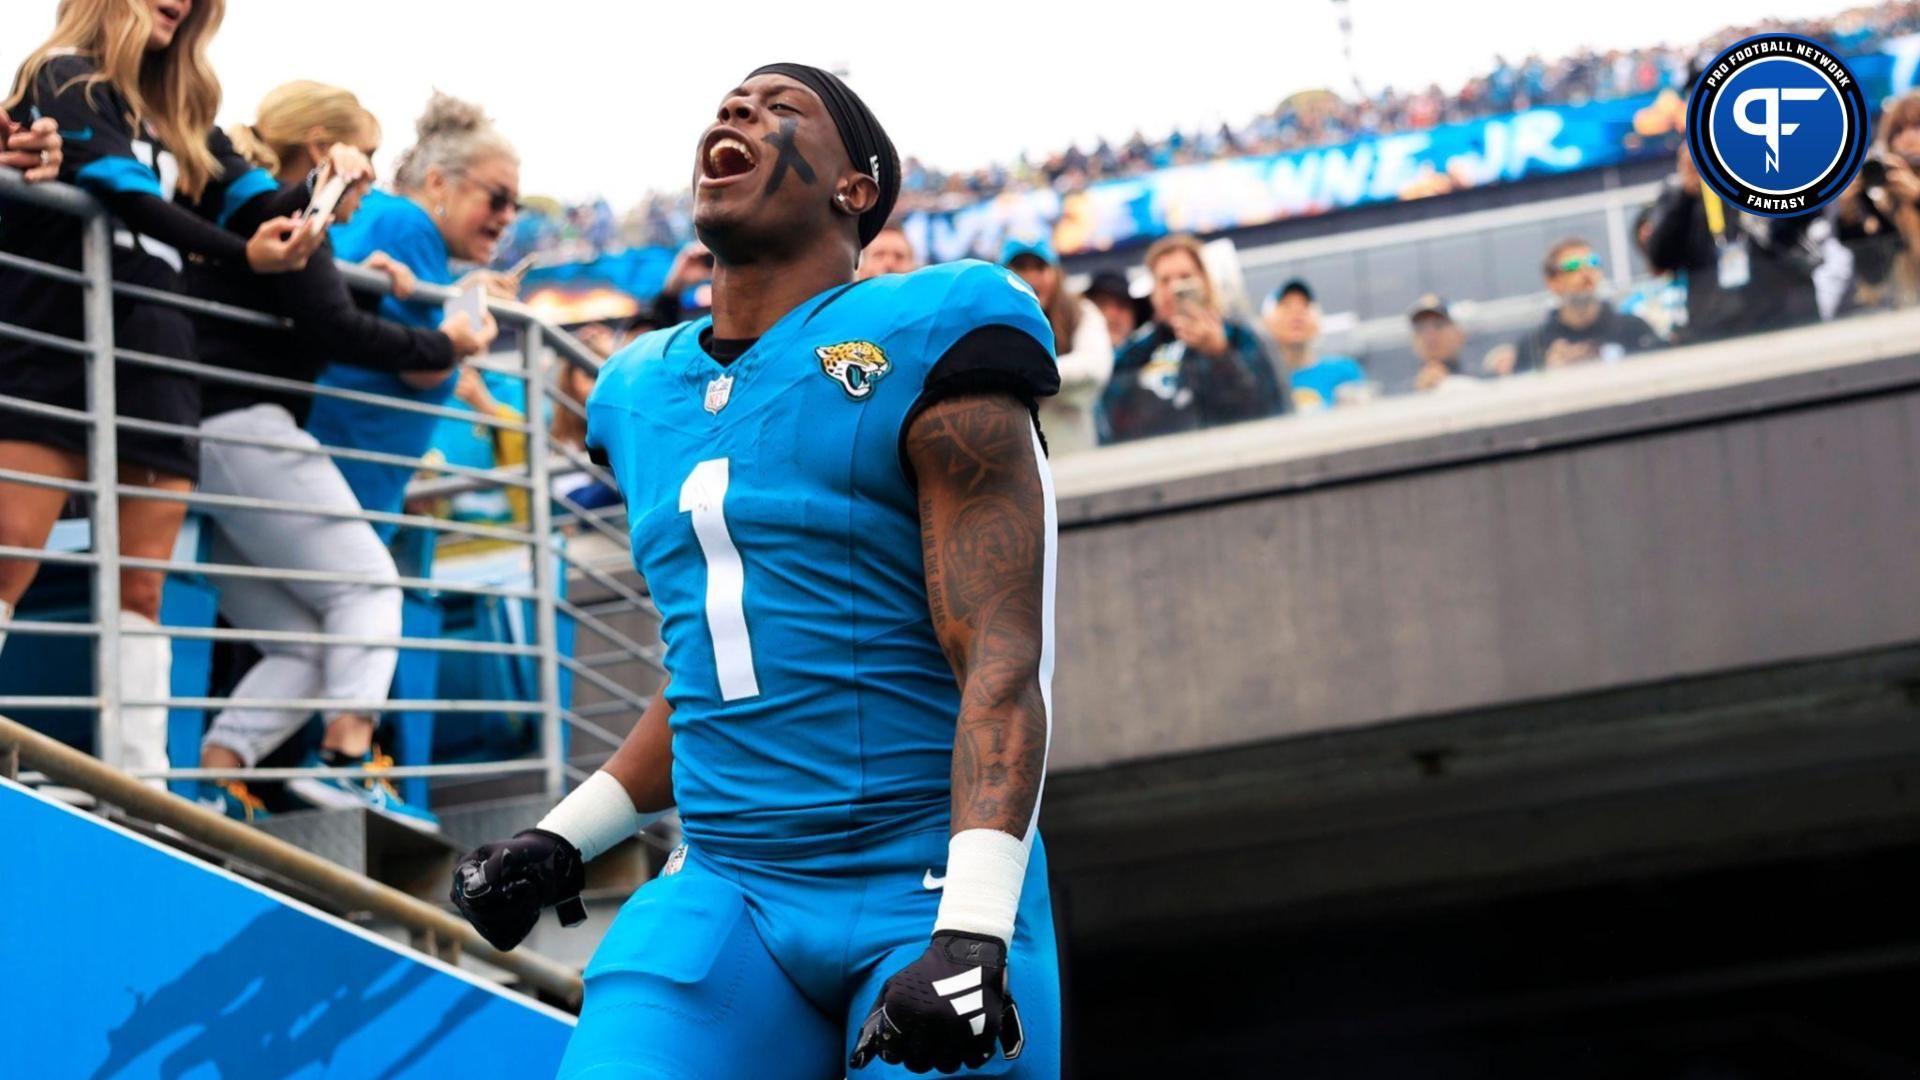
(608, 97)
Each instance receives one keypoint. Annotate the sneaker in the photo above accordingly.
(231, 797)
(370, 792)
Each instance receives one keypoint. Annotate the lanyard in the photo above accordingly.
(1716, 213)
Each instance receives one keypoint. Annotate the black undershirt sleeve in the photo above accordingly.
(320, 303)
(177, 227)
(995, 359)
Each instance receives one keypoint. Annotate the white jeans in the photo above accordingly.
(298, 542)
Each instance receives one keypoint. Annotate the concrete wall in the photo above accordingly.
(1697, 511)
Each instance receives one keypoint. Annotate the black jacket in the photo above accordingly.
(1613, 335)
(1779, 291)
(1159, 386)
(331, 323)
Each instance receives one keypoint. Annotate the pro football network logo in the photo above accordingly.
(1777, 125)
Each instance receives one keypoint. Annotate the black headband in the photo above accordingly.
(866, 141)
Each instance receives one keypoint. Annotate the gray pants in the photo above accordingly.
(295, 542)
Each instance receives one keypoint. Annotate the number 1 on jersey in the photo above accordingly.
(705, 495)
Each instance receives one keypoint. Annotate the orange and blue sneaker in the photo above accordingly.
(231, 797)
(372, 792)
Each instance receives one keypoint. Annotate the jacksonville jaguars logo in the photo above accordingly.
(855, 365)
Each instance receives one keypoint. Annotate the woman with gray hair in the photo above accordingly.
(255, 447)
(455, 192)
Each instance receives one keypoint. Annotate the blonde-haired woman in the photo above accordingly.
(301, 127)
(455, 192)
(128, 83)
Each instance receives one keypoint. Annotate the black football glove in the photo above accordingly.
(502, 886)
(944, 1010)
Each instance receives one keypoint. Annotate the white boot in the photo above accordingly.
(6, 612)
(146, 669)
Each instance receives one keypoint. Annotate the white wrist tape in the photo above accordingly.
(597, 815)
(985, 869)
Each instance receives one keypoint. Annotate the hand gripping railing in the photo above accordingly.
(433, 930)
(544, 516)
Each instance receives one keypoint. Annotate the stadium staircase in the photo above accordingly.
(152, 938)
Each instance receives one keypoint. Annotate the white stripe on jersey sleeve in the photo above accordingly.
(1050, 563)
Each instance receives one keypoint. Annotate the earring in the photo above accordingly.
(841, 199)
(440, 210)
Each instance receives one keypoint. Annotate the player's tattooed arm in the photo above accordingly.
(983, 531)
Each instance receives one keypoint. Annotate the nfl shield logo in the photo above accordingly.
(718, 391)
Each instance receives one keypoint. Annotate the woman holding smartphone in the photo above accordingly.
(1192, 367)
(303, 128)
(128, 84)
(457, 191)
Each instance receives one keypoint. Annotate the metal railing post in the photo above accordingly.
(545, 580)
(103, 453)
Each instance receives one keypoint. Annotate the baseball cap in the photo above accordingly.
(1429, 304)
(1293, 285)
(1038, 248)
(1110, 283)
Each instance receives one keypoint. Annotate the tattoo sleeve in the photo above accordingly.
(983, 527)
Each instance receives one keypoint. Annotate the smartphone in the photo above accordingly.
(520, 268)
(325, 197)
(472, 302)
(1189, 294)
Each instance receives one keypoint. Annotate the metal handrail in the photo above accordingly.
(67, 766)
(538, 342)
(291, 637)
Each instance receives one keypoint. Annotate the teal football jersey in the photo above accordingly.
(775, 522)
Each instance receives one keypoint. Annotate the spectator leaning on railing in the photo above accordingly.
(171, 181)
(302, 127)
(1437, 343)
(34, 149)
(1582, 327)
(457, 190)
(1085, 355)
(1313, 381)
(1190, 368)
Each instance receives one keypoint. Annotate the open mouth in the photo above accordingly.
(725, 154)
(169, 16)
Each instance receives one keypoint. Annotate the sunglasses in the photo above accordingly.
(498, 199)
(1591, 260)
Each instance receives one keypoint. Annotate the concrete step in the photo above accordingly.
(371, 843)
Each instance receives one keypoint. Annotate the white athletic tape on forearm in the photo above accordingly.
(597, 815)
(985, 870)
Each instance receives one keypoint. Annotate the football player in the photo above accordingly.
(837, 493)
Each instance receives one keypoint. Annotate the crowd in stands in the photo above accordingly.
(1301, 120)
(241, 217)
(219, 215)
